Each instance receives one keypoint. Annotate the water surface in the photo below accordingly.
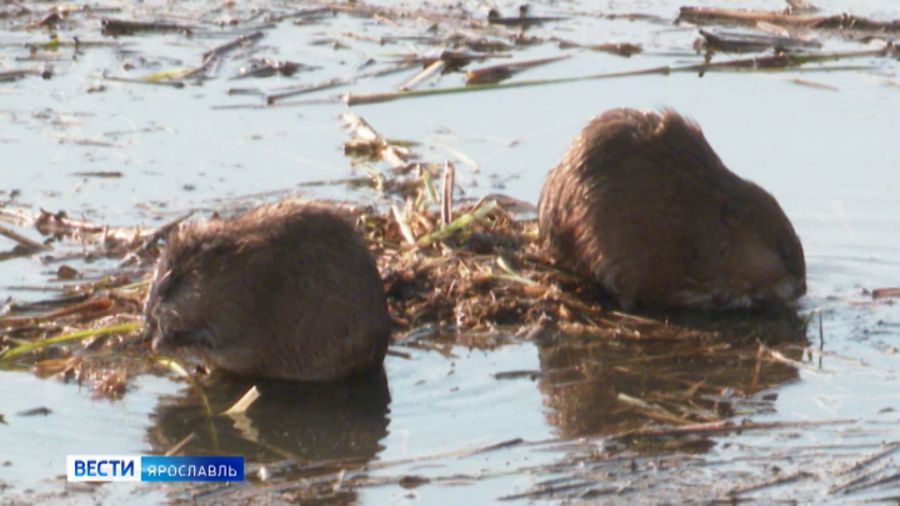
(827, 155)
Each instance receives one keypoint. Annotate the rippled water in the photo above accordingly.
(828, 156)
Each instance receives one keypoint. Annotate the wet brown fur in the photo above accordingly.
(285, 291)
(642, 204)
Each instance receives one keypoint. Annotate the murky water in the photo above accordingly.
(828, 155)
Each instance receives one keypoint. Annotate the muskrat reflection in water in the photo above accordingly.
(702, 367)
(642, 204)
(286, 291)
(319, 421)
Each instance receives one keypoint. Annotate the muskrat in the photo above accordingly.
(284, 291)
(642, 205)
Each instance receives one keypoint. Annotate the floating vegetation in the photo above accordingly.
(598, 468)
(733, 42)
(454, 38)
(841, 22)
(497, 73)
(118, 27)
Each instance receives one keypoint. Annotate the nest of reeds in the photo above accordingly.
(489, 277)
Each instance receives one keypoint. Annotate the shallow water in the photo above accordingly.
(827, 155)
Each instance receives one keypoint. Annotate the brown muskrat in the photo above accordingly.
(286, 291)
(642, 204)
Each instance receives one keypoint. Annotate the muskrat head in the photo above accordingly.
(188, 307)
(760, 258)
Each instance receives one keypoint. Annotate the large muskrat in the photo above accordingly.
(642, 204)
(286, 291)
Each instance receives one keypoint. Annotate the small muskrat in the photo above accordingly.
(642, 204)
(285, 291)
